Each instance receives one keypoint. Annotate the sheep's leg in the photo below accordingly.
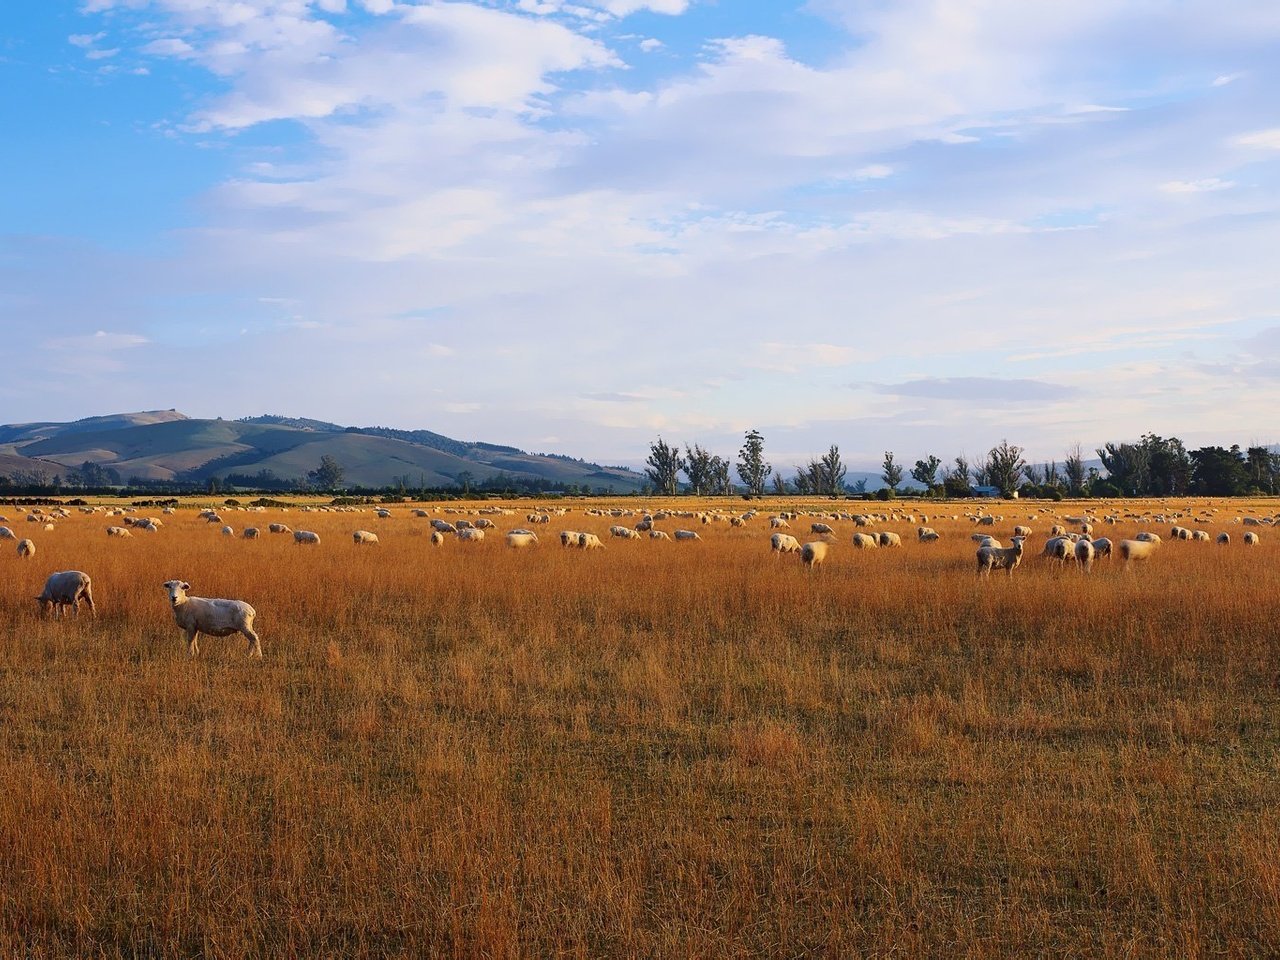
(88, 599)
(193, 642)
(255, 645)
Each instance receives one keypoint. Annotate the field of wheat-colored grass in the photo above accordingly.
(654, 750)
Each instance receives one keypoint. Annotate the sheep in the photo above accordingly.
(589, 541)
(486, 524)
(813, 553)
(7, 534)
(228, 532)
(520, 539)
(1224, 540)
(777, 523)
(999, 558)
(216, 618)
(444, 526)
(1085, 553)
(306, 536)
(383, 514)
(658, 535)
(26, 548)
(926, 534)
(686, 535)
(363, 536)
(1022, 531)
(1200, 536)
(437, 538)
(470, 534)
(1179, 533)
(784, 543)
(1102, 548)
(1250, 539)
(278, 528)
(890, 540)
(1086, 528)
(1135, 550)
(463, 524)
(820, 528)
(1146, 537)
(1058, 548)
(864, 541)
(68, 587)
(987, 521)
(251, 533)
(1057, 530)
(420, 513)
(118, 532)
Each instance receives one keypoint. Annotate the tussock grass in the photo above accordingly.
(659, 749)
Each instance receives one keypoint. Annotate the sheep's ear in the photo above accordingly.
(185, 585)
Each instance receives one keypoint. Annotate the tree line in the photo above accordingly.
(1154, 466)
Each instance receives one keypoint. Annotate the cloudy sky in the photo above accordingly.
(574, 225)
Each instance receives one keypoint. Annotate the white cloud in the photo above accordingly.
(1207, 185)
(1263, 139)
(650, 44)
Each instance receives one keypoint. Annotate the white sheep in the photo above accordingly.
(520, 539)
(66, 588)
(1201, 536)
(999, 558)
(250, 533)
(216, 618)
(1250, 539)
(589, 541)
(1224, 539)
(363, 536)
(569, 538)
(865, 541)
(777, 523)
(1135, 550)
(306, 536)
(278, 528)
(444, 526)
(888, 539)
(686, 535)
(470, 534)
(486, 524)
(784, 543)
(7, 534)
(26, 548)
(437, 538)
(228, 532)
(1022, 531)
(1059, 548)
(1102, 548)
(813, 553)
(820, 528)
(926, 534)
(1057, 530)
(118, 532)
(658, 535)
(1085, 553)
(1146, 537)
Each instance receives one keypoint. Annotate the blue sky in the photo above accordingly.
(574, 225)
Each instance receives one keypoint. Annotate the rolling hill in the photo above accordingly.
(169, 446)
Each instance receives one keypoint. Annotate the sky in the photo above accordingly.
(577, 225)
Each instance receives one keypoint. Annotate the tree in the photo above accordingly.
(1263, 467)
(1219, 472)
(753, 469)
(955, 483)
(465, 479)
(779, 485)
(665, 464)
(1127, 466)
(721, 484)
(891, 472)
(803, 481)
(327, 476)
(925, 472)
(697, 467)
(826, 475)
(1035, 476)
(1004, 467)
(1168, 466)
(1073, 466)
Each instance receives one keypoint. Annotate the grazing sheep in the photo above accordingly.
(250, 533)
(686, 535)
(228, 532)
(420, 513)
(1021, 531)
(1057, 530)
(1224, 540)
(987, 521)
(1201, 536)
(1179, 533)
(926, 534)
(216, 618)
(1059, 548)
(778, 523)
(658, 535)
(363, 536)
(864, 541)
(463, 524)
(589, 541)
(306, 536)
(1086, 528)
(66, 588)
(437, 538)
(1250, 539)
(470, 534)
(7, 534)
(890, 540)
(1102, 548)
(784, 543)
(278, 528)
(486, 524)
(999, 558)
(1148, 537)
(812, 554)
(26, 548)
(520, 539)
(118, 532)
(820, 528)
(1135, 550)
(1085, 553)
(383, 514)
(569, 538)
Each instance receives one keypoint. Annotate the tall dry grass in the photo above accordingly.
(661, 749)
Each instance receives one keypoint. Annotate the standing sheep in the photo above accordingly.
(1135, 550)
(306, 536)
(864, 541)
(217, 618)
(687, 535)
(1224, 539)
(66, 588)
(363, 536)
(888, 539)
(1250, 539)
(470, 534)
(1084, 555)
(250, 533)
(520, 539)
(278, 528)
(784, 543)
(812, 554)
(26, 548)
(999, 558)
(118, 532)
(437, 538)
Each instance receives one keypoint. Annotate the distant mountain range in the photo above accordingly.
(165, 445)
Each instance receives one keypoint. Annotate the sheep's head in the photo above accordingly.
(177, 591)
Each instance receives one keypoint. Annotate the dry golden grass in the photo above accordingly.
(657, 750)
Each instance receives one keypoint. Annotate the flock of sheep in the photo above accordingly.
(1070, 539)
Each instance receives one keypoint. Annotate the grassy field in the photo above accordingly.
(654, 750)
